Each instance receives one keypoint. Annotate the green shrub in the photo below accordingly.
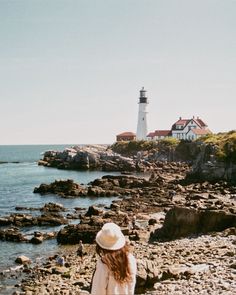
(225, 144)
(132, 147)
(170, 141)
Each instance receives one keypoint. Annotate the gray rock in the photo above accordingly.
(182, 222)
(23, 260)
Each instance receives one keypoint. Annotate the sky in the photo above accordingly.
(71, 70)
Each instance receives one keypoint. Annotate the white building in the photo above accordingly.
(159, 134)
(188, 129)
(142, 116)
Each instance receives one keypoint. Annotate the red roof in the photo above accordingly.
(199, 131)
(200, 122)
(159, 133)
(182, 122)
(126, 134)
(151, 134)
(162, 132)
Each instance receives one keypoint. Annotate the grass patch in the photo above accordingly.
(129, 148)
(132, 147)
(170, 141)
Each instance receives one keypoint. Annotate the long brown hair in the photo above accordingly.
(117, 262)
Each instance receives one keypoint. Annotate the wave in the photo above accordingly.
(18, 162)
(7, 162)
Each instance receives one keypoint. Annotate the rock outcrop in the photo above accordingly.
(24, 220)
(182, 222)
(209, 166)
(53, 207)
(12, 234)
(72, 234)
(106, 186)
(215, 158)
(88, 157)
(63, 188)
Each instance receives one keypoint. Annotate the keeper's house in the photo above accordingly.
(189, 129)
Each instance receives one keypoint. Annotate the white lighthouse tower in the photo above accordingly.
(142, 116)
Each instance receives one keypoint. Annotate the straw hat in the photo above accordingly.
(110, 237)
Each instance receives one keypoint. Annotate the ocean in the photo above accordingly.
(19, 175)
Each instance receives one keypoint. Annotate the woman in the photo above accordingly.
(116, 268)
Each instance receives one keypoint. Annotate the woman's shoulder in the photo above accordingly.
(101, 265)
(132, 260)
(131, 256)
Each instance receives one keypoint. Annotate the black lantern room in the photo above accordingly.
(143, 98)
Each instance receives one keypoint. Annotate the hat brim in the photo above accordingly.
(116, 246)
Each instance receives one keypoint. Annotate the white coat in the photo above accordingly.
(104, 282)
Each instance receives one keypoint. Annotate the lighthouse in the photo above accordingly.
(142, 116)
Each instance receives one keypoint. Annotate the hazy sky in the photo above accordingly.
(71, 70)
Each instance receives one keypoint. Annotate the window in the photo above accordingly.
(179, 126)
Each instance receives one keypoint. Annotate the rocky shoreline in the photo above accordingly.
(183, 237)
(200, 265)
(95, 157)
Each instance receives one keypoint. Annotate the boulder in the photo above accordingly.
(37, 240)
(4, 221)
(92, 210)
(51, 219)
(63, 188)
(23, 260)
(96, 191)
(182, 222)
(12, 235)
(182, 271)
(19, 219)
(53, 207)
(72, 234)
(148, 273)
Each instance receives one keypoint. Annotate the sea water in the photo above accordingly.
(18, 178)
